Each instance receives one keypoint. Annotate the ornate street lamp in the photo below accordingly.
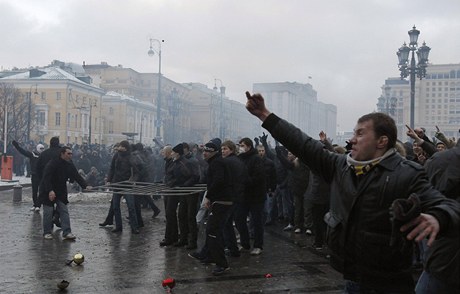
(387, 104)
(29, 109)
(174, 107)
(413, 70)
(151, 52)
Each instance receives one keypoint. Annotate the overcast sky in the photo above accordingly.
(347, 47)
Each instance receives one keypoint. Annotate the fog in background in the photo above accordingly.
(348, 48)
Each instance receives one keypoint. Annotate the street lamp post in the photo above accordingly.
(151, 52)
(174, 106)
(387, 104)
(221, 111)
(29, 109)
(412, 70)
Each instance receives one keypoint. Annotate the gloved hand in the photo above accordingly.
(402, 211)
(263, 138)
(256, 140)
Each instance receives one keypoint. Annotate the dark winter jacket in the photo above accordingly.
(239, 176)
(270, 174)
(55, 176)
(359, 226)
(219, 180)
(33, 157)
(121, 168)
(183, 174)
(45, 157)
(442, 259)
(298, 174)
(255, 189)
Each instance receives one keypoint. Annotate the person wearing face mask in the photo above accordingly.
(253, 198)
(33, 158)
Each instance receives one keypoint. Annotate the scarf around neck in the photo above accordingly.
(363, 167)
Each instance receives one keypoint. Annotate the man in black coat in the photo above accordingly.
(33, 158)
(51, 153)
(53, 190)
(373, 253)
(253, 198)
(219, 199)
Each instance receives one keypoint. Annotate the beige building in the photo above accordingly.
(437, 101)
(62, 104)
(190, 112)
(174, 122)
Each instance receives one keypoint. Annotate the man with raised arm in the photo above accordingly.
(370, 249)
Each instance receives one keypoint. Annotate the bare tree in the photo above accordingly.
(17, 107)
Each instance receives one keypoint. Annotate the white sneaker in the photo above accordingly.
(297, 231)
(256, 251)
(69, 236)
(37, 209)
(289, 227)
(32, 208)
(308, 232)
(48, 237)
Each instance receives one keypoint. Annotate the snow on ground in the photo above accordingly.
(73, 196)
(16, 179)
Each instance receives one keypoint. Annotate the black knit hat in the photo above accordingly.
(179, 148)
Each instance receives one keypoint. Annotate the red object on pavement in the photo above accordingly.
(268, 276)
(169, 283)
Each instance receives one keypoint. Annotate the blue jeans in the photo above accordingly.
(48, 218)
(241, 213)
(269, 214)
(116, 200)
(428, 284)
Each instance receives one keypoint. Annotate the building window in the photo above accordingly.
(57, 119)
(76, 121)
(110, 110)
(68, 120)
(41, 118)
(58, 95)
(110, 127)
(43, 95)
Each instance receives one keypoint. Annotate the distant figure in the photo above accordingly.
(33, 158)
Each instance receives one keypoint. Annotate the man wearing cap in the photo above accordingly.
(219, 199)
(33, 157)
(181, 175)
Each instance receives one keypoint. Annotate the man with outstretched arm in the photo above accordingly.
(370, 249)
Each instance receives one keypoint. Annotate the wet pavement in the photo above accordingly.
(127, 263)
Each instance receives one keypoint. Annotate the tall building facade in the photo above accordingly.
(437, 101)
(298, 103)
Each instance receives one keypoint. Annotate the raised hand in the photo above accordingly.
(256, 106)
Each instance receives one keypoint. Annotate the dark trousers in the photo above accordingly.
(319, 226)
(242, 211)
(149, 201)
(229, 231)
(187, 218)
(110, 215)
(299, 210)
(214, 233)
(172, 231)
(35, 181)
(138, 206)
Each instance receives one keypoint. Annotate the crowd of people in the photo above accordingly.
(381, 205)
